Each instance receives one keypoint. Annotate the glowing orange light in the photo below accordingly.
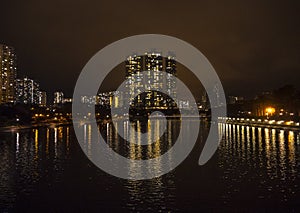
(270, 110)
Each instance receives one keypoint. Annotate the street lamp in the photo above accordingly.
(270, 111)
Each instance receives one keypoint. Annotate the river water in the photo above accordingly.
(44, 169)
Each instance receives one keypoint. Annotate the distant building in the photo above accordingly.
(19, 90)
(43, 99)
(103, 99)
(58, 98)
(67, 100)
(107, 99)
(235, 99)
(89, 100)
(154, 61)
(204, 101)
(8, 72)
(118, 99)
(216, 96)
(184, 104)
(27, 91)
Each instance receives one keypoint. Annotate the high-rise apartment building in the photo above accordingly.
(27, 91)
(43, 99)
(151, 82)
(58, 98)
(8, 72)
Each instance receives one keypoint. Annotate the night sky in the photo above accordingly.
(253, 45)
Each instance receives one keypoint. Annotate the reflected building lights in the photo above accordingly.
(170, 139)
(291, 147)
(84, 136)
(259, 133)
(36, 143)
(238, 139)
(47, 140)
(243, 141)
(149, 146)
(253, 139)
(17, 142)
(67, 139)
(55, 142)
(248, 143)
(267, 146)
(138, 137)
(157, 150)
(282, 153)
(89, 140)
(116, 139)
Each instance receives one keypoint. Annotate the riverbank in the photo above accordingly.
(33, 125)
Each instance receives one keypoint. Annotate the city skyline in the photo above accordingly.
(132, 64)
(156, 106)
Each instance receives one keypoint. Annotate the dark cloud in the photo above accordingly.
(253, 45)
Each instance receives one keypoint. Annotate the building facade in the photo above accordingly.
(8, 72)
(58, 98)
(136, 80)
(43, 99)
(27, 91)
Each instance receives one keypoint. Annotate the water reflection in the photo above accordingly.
(252, 166)
(159, 192)
(265, 155)
(23, 157)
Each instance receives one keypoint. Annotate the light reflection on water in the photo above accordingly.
(263, 156)
(160, 191)
(252, 165)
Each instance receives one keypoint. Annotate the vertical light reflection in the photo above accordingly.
(267, 144)
(149, 146)
(234, 132)
(84, 137)
(226, 134)
(55, 142)
(234, 137)
(125, 126)
(231, 143)
(47, 141)
(89, 140)
(170, 138)
(109, 134)
(238, 132)
(169, 133)
(273, 150)
(243, 142)
(132, 150)
(17, 142)
(282, 154)
(220, 128)
(60, 133)
(291, 147)
(139, 131)
(116, 139)
(157, 142)
(253, 140)
(36, 143)
(157, 148)
(273, 139)
(227, 143)
(229, 131)
(133, 168)
(248, 139)
(68, 139)
(260, 149)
